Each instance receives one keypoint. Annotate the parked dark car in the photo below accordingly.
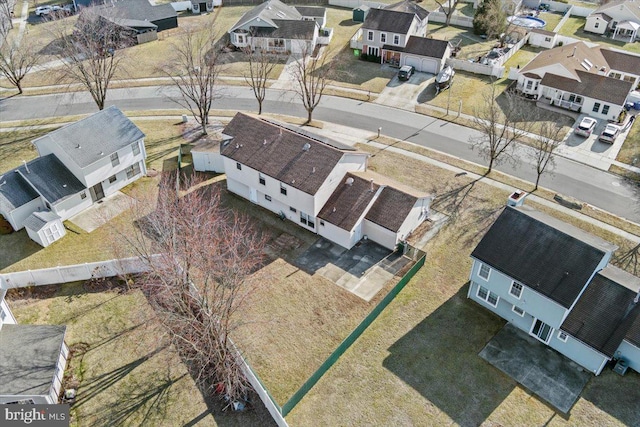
(406, 71)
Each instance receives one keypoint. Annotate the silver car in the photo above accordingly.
(609, 134)
(586, 127)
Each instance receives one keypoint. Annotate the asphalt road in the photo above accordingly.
(598, 188)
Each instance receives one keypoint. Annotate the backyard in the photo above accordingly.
(574, 27)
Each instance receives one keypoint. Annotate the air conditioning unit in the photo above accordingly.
(621, 367)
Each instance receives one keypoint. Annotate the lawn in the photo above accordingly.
(630, 151)
(125, 371)
(573, 27)
(418, 364)
(551, 18)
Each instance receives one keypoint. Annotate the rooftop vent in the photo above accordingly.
(78, 146)
(264, 142)
(306, 146)
(349, 181)
(371, 183)
(313, 170)
(26, 166)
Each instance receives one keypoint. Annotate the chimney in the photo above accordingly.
(516, 198)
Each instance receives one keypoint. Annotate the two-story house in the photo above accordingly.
(78, 165)
(318, 183)
(553, 281)
(621, 18)
(32, 359)
(582, 77)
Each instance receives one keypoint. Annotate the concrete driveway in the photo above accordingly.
(546, 373)
(404, 94)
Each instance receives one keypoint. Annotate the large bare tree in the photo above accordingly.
(90, 52)
(261, 65)
(17, 60)
(549, 138)
(6, 15)
(448, 7)
(200, 255)
(310, 76)
(194, 69)
(500, 124)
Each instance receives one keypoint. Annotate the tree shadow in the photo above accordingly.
(439, 359)
(628, 259)
(617, 396)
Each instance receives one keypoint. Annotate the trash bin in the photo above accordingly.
(636, 105)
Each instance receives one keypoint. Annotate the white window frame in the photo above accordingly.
(133, 170)
(383, 37)
(115, 160)
(488, 296)
(519, 313)
(135, 148)
(514, 285)
(536, 336)
(480, 272)
(370, 36)
(112, 179)
(605, 109)
(267, 197)
(562, 335)
(396, 39)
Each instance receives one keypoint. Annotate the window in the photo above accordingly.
(133, 170)
(484, 271)
(615, 75)
(605, 109)
(321, 223)
(261, 179)
(396, 39)
(307, 220)
(373, 51)
(517, 310)
(488, 296)
(541, 330)
(292, 209)
(283, 189)
(596, 107)
(562, 336)
(135, 148)
(115, 161)
(83, 195)
(240, 38)
(112, 179)
(529, 84)
(597, 24)
(547, 39)
(3, 315)
(267, 197)
(238, 166)
(370, 36)
(383, 37)
(516, 290)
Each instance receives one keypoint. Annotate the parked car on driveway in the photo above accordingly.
(609, 134)
(406, 71)
(43, 10)
(586, 127)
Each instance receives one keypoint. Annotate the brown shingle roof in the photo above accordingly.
(391, 208)
(570, 56)
(541, 31)
(409, 7)
(280, 153)
(348, 202)
(591, 85)
(622, 61)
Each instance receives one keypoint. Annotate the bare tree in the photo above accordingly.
(6, 15)
(261, 64)
(448, 7)
(90, 53)
(310, 78)
(16, 61)
(545, 145)
(194, 70)
(499, 126)
(490, 19)
(200, 256)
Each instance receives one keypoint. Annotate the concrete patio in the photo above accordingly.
(102, 212)
(546, 373)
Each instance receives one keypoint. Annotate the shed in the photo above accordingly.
(206, 155)
(44, 227)
(360, 13)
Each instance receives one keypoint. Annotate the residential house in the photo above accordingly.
(554, 282)
(620, 18)
(425, 54)
(582, 77)
(276, 27)
(391, 26)
(32, 359)
(78, 165)
(320, 184)
(542, 38)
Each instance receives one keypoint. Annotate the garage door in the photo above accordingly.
(425, 65)
(413, 60)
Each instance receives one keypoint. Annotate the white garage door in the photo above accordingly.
(413, 60)
(422, 64)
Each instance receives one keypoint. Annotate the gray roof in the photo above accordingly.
(316, 12)
(388, 20)
(38, 220)
(422, 46)
(391, 208)
(547, 255)
(15, 191)
(51, 178)
(137, 10)
(408, 6)
(267, 12)
(605, 312)
(591, 85)
(95, 137)
(297, 30)
(28, 358)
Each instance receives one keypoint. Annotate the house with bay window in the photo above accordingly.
(582, 77)
(554, 282)
(77, 165)
(320, 184)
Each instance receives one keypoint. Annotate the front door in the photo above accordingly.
(97, 193)
(203, 7)
(541, 330)
(253, 195)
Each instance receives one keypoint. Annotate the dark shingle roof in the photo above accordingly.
(28, 358)
(348, 202)
(407, 6)
(138, 10)
(15, 191)
(549, 256)
(633, 334)
(37, 220)
(604, 312)
(591, 85)
(426, 47)
(621, 61)
(95, 137)
(316, 12)
(391, 208)
(388, 20)
(297, 30)
(603, 16)
(541, 31)
(268, 11)
(283, 157)
(51, 178)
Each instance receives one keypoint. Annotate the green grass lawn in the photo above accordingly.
(574, 26)
(551, 18)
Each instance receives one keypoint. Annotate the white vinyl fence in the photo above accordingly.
(352, 4)
(476, 67)
(266, 398)
(457, 19)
